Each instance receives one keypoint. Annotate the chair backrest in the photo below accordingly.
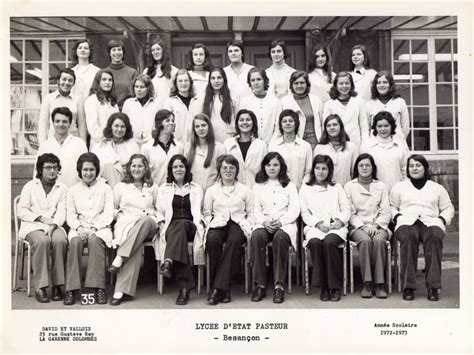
(15, 215)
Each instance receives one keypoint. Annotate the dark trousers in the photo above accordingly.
(327, 261)
(48, 251)
(178, 234)
(95, 275)
(432, 240)
(224, 261)
(258, 245)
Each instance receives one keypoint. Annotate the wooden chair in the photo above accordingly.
(20, 245)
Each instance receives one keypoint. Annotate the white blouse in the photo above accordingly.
(199, 82)
(162, 84)
(279, 77)
(363, 83)
(183, 117)
(142, 118)
(97, 115)
(398, 108)
(84, 77)
(159, 159)
(343, 160)
(237, 82)
(275, 202)
(319, 84)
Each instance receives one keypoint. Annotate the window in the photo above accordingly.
(426, 72)
(34, 67)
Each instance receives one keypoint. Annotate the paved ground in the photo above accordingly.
(147, 297)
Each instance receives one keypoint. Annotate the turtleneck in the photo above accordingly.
(385, 98)
(345, 100)
(186, 99)
(143, 100)
(300, 97)
(384, 142)
(260, 96)
(198, 67)
(117, 66)
(419, 183)
(47, 185)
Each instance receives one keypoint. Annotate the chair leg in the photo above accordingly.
(159, 280)
(344, 268)
(389, 267)
(247, 269)
(208, 275)
(15, 264)
(200, 267)
(399, 271)
(28, 282)
(22, 257)
(306, 270)
(289, 271)
(351, 268)
(297, 268)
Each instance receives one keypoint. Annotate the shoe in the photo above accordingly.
(183, 297)
(380, 291)
(116, 301)
(41, 295)
(226, 297)
(278, 295)
(324, 296)
(259, 294)
(100, 296)
(214, 297)
(408, 294)
(366, 290)
(69, 298)
(165, 269)
(433, 294)
(335, 295)
(57, 294)
(113, 269)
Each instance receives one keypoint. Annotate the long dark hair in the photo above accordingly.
(392, 91)
(419, 158)
(74, 58)
(365, 52)
(126, 121)
(343, 136)
(147, 180)
(262, 176)
(327, 68)
(207, 61)
(211, 140)
(254, 121)
(384, 115)
(224, 96)
(333, 93)
(322, 159)
(361, 157)
(102, 96)
(165, 64)
(188, 176)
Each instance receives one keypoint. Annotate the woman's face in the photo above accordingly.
(383, 86)
(88, 172)
(137, 169)
(288, 124)
(118, 129)
(106, 82)
(228, 172)
(257, 83)
(199, 56)
(183, 83)
(61, 124)
(357, 58)
(235, 54)
(300, 87)
(201, 128)
(365, 168)
(383, 129)
(157, 52)
(179, 170)
(83, 51)
(272, 169)
(277, 54)
(321, 58)
(416, 169)
(245, 123)
(50, 171)
(116, 55)
(65, 83)
(343, 86)
(140, 89)
(321, 172)
(216, 80)
(333, 128)
(168, 124)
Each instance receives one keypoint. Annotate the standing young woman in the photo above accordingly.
(180, 101)
(335, 143)
(199, 67)
(246, 147)
(115, 150)
(163, 146)
(308, 107)
(390, 154)
(386, 98)
(202, 152)
(160, 70)
(320, 74)
(237, 71)
(142, 109)
(326, 212)
(100, 104)
(82, 55)
(264, 104)
(228, 212)
(296, 152)
(42, 212)
(350, 108)
(369, 223)
(217, 104)
(179, 214)
(90, 212)
(421, 210)
(135, 213)
(276, 209)
(361, 72)
(279, 72)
